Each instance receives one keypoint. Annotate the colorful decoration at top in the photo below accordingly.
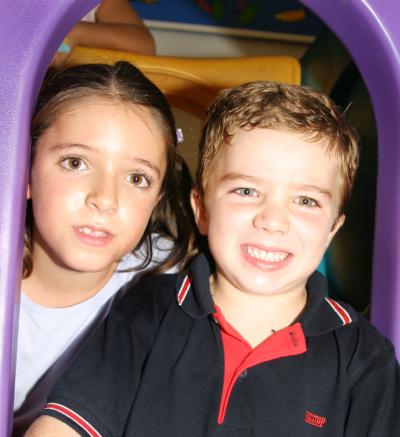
(287, 17)
(245, 11)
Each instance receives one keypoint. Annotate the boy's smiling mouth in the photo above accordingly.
(266, 255)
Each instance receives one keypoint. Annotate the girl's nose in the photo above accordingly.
(103, 196)
(272, 217)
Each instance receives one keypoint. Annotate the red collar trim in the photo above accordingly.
(183, 291)
(340, 311)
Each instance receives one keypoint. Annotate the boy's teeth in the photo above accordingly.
(92, 233)
(265, 255)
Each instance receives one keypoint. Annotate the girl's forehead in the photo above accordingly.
(82, 105)
(102, 128)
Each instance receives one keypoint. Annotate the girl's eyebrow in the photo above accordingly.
(69, 146)
(148, 164)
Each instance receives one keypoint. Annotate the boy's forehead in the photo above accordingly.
(269, 153)
(278, 131)
(255, 140)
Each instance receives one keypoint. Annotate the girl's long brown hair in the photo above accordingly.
(172, 217)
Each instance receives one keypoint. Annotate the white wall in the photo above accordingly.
(201, 44)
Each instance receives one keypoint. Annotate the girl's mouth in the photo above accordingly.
(93, 236)
(93, 232)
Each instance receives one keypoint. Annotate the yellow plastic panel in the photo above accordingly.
(191, 83)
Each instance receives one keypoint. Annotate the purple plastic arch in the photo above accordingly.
(30, 34)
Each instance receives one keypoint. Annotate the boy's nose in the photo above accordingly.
(103, 196)
(272, 217)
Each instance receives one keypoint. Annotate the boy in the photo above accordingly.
(250, 347)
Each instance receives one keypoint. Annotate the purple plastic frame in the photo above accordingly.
(30, 32)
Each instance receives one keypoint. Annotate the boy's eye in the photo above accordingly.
(247, 192)
(139, 180)
(306, 201)
(73, 163)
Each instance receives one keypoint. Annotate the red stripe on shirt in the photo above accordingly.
(184, 290)
(76, 418)
(340, 311)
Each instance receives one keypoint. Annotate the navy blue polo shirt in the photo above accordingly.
(165, 363)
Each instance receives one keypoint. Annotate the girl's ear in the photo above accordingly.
(199, 210)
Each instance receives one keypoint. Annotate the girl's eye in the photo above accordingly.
(306, 201)
(73, 163)
(139, 180)
(246, 192)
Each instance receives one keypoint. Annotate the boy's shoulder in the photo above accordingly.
(361, 331)
(146, 291)
(365, 353)
(364, 344)
(151, 296)
(149, 304)
(142, 305)
(188, 289)
(358, 342)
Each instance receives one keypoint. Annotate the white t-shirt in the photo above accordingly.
(48, 338)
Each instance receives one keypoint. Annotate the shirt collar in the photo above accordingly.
(193, 289)
(321, 314)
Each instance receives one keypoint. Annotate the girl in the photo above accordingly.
(104, 176)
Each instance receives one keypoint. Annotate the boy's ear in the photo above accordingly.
(337, 225)
(199, 211)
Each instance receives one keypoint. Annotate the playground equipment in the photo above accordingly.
(29, 35)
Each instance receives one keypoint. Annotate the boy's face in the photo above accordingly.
(269, 211)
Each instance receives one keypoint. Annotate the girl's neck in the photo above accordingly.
(55, 286)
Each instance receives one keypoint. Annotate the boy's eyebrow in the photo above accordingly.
(316, 189)
(142, 161)
(235, 176)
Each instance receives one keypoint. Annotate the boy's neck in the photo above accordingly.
(55, 286)
(256, 317)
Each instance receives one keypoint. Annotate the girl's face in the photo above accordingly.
(94, 182)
